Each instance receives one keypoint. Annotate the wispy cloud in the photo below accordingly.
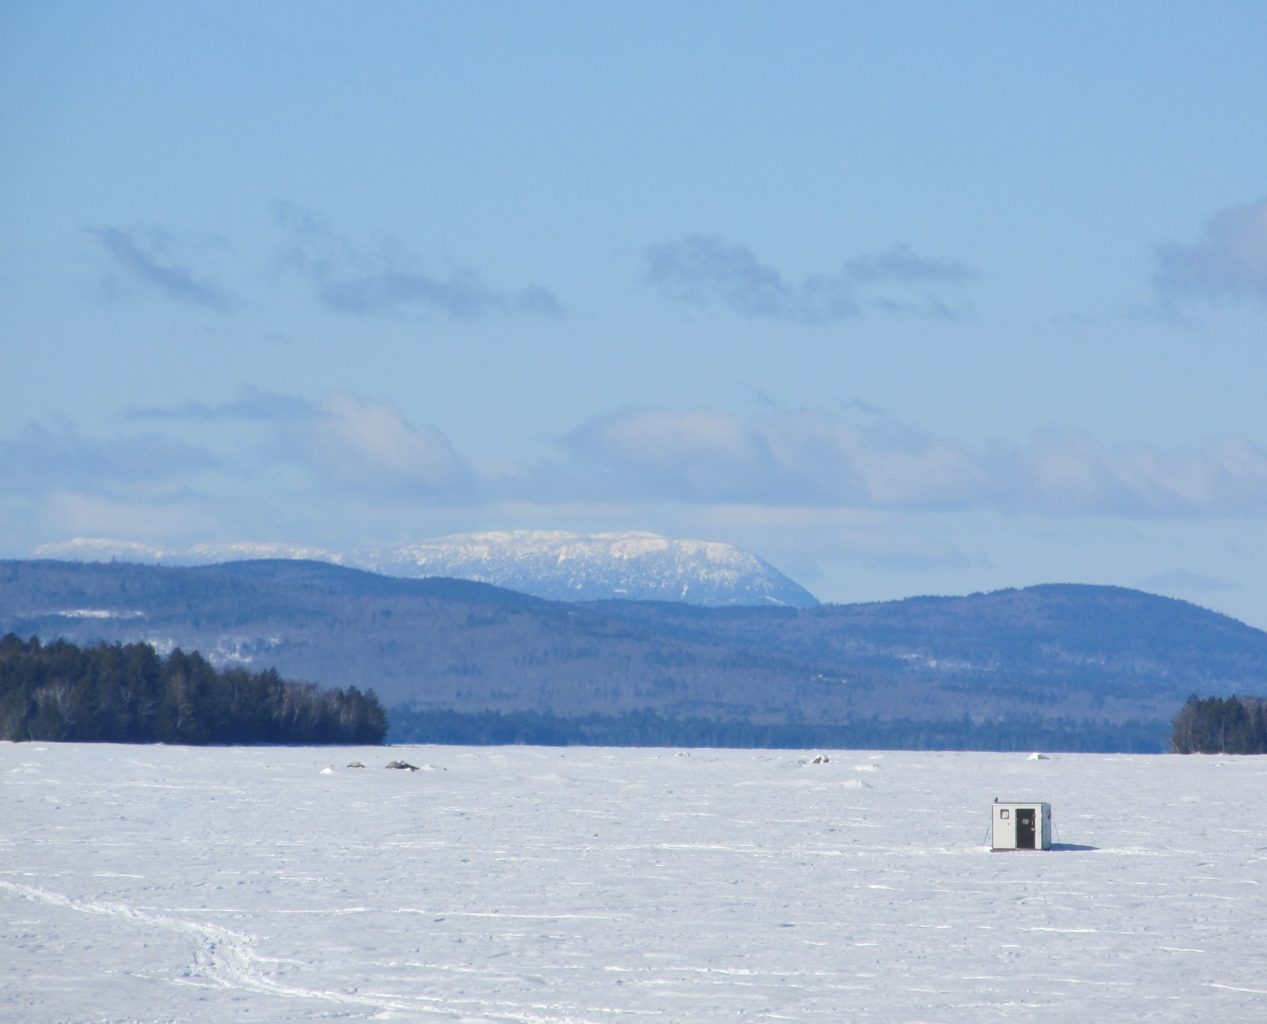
(41, 459)
(707, 269)
(703, 269)
(251, 404)
(146, 257)
(1181, 581)
(384, 277)
(1229, 260)
(901, 264)
(461, 294)
(881, 463)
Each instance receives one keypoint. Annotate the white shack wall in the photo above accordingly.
(1003, 825)
(1003, 834)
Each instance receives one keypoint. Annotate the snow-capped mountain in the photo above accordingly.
(555, 565)
(577, 567)
(104, 549)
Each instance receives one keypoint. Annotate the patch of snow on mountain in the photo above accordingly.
(98, 613)
(571, 566)
(246, 550)
(102, 549)
(552, 564)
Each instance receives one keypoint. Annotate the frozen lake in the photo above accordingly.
(544, 886)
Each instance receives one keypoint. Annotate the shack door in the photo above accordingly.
(1025, 828)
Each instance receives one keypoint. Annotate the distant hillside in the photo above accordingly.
(552, 564)
(1013, 669)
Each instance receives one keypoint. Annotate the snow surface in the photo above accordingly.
(545, 886)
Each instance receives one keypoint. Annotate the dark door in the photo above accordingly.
(1025, 828)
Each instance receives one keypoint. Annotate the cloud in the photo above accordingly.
(1229, 260)
(701, 269)
(902, 264)
(691, 456)
(1181, 581)
(707, 269)
(462, 294)
(338, 441)
(145, 258)
(126, 514)
(371, 445)
(40, 460)
(291, 447)
(820, 459)
(1067, 472)
(252, 404)
(786, 458)
(289, 468)
(384, 278)
(364, 461)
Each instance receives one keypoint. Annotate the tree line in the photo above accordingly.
(1217, 725)
(128, 693)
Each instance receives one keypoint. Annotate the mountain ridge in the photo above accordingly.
(553, 564)
(1037, 662)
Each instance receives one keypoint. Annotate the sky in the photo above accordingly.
(905, 298)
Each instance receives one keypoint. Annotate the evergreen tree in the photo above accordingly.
(112, 693)
(1213, 725)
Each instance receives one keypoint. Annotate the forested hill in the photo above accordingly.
(1232, 725)
(130, 694)
(1011, 669)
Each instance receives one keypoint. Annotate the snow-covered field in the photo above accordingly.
(600, 885)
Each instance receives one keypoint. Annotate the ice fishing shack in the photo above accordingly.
(1020, 825)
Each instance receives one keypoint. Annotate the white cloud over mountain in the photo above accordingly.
(830, 459)
(364, 443)
(648, 456)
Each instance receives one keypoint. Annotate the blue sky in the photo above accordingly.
(905, 298)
